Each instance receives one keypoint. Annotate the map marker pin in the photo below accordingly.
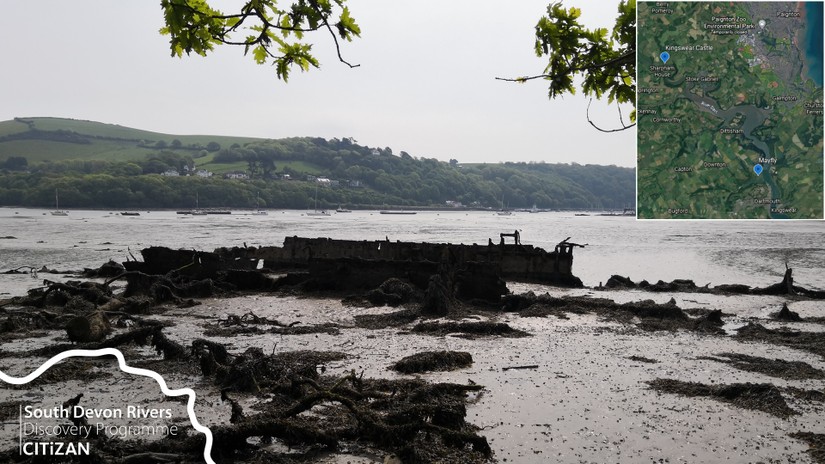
(762, 23)
(664, 56)
(757, 169)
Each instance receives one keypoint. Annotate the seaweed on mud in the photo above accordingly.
(763, 397)
(59, 294)
(326, 328)
(649, 309)
(10, 410)
(642, 359)
(816, 443)
(392, 292)
(779, 368)
(25, 320)
(544, 310)
(69, 369)
(470, 329)
(149, 333)
(252, 370)
(428, 361)
(806, 395)
(381, 321)
(647, 314)
(812, 342)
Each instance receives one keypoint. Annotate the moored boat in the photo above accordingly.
(57, 211)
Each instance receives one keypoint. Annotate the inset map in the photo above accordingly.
(730, 115)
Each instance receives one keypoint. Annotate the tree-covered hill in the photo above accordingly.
(96, 165)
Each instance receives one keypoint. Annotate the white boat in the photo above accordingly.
(57, 211)
(341, 209)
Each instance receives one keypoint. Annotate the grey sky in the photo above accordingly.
(426, 82)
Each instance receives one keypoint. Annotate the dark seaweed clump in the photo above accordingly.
(816, 441)
(755, 396)
(812, 342)
(470, 329)
(779, 368)
(427, 361)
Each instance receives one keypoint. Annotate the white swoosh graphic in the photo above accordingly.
(190, 404)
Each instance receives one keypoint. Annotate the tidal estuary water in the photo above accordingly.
(715, 252)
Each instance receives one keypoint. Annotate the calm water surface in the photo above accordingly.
(714, 252)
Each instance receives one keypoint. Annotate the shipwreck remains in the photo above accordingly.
(418, 261)
(438, 275)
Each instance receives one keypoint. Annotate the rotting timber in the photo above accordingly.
(437, 275)
(378, 260)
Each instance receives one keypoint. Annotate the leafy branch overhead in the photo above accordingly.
(273, 34)
(605, 61)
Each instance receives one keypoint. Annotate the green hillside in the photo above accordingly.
(97, 165)
(55, 139)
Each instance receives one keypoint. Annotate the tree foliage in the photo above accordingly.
(362, 177)
(607, 63)
(604, 60)
(274, 33)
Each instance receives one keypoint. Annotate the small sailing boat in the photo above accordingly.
(322, 212)
(57, 211)
(197, 211)
(502, 211)
(258, 210)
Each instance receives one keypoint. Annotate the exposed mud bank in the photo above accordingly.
(527, 378)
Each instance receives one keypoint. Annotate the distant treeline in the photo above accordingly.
(282, 175)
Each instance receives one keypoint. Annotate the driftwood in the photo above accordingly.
(161, 288)
(509, 368)
(418, 421)
(395, 431)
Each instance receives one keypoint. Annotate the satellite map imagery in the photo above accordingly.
(730, 110)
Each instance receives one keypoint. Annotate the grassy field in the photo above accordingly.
(43, 150)
(12, 127)
(108, 142)
(300, 166)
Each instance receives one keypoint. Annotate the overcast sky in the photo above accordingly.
(425, 85)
